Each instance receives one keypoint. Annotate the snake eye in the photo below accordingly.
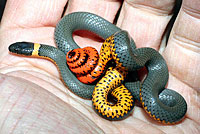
(24, 48)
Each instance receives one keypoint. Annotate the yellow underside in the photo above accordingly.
(123, 95)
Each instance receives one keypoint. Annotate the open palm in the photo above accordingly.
(33, 99)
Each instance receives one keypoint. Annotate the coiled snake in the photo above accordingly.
(162, 104)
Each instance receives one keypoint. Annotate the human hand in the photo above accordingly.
(33, 99)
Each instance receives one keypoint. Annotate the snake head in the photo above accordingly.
(22, 48)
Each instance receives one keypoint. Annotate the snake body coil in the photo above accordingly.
(162, 104)
(125, 102)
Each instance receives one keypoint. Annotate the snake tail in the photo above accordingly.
(82, 62)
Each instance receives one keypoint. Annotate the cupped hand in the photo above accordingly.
(33, 98)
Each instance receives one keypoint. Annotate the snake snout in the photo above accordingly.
(24, 48)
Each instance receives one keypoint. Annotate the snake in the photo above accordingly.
(164, 105)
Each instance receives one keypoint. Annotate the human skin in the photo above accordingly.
(33, 98)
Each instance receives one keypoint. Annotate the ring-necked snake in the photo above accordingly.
(164, 105)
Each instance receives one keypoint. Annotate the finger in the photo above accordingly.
(32, 13)
(182, 52)
(146, 20)
(106, 9)
(183, 55)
